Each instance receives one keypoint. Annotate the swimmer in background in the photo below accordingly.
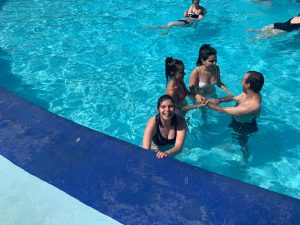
(165, 133)
(277, 28)
(206, 75)
(267, 2)
(194, 13)
(247, 109)
(176, 88)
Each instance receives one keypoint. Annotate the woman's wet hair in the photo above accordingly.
(204, 52)
(163, 98)
(256, 80)
(172, 66)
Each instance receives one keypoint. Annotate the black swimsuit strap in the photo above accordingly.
(159, 123)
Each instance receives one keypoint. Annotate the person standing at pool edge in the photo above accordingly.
(165, 132)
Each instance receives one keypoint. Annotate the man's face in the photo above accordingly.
(245, 85)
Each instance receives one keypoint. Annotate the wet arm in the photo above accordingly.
(221, 84)
(148, 133)
(225, 89)
(235, 111)
(189, 11)
(229, 98)
(189, 107)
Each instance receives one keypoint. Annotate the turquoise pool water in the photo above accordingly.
(96, 64)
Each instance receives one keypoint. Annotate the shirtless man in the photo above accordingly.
(248, 103)
(247, 109)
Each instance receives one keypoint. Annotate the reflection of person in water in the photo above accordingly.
(193, 14)
(278, 28)
(247, 109)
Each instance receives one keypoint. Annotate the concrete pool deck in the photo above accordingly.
(125, 182)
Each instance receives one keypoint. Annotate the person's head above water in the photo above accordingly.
(205, 52)
(174, 68)
(164, 98)
(165, 108)
(255, 80)
(196, 2)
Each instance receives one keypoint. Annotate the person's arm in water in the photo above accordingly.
(189, 11)
(224, 99)
(227, 99)
(149, 133)
(180, 137)
(239, 110)
(190, 107)
(202, 13)
(221, 84)
(234, 111)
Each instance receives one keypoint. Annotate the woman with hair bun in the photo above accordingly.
(176, 88)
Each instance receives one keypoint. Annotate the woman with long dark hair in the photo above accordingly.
(165, 132)
(206, 75)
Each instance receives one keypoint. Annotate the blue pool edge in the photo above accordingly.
(126, 182)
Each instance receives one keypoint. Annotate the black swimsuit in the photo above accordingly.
(158, 139)
(244, 128)
(287, 26)
(194, 15)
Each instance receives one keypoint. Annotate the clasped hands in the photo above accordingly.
(204, 101)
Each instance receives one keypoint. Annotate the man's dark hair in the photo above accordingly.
(204, 52)
(256, 80)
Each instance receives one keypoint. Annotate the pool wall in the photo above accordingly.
(125, 182)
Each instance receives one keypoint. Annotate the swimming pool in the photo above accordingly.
(98, 66)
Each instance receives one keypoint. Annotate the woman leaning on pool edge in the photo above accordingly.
(166, 130)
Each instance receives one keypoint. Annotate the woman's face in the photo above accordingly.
(196, 2)
(210, 62)
(166, 109)
(179, 74)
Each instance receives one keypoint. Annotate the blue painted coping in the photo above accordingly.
(126, 182)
